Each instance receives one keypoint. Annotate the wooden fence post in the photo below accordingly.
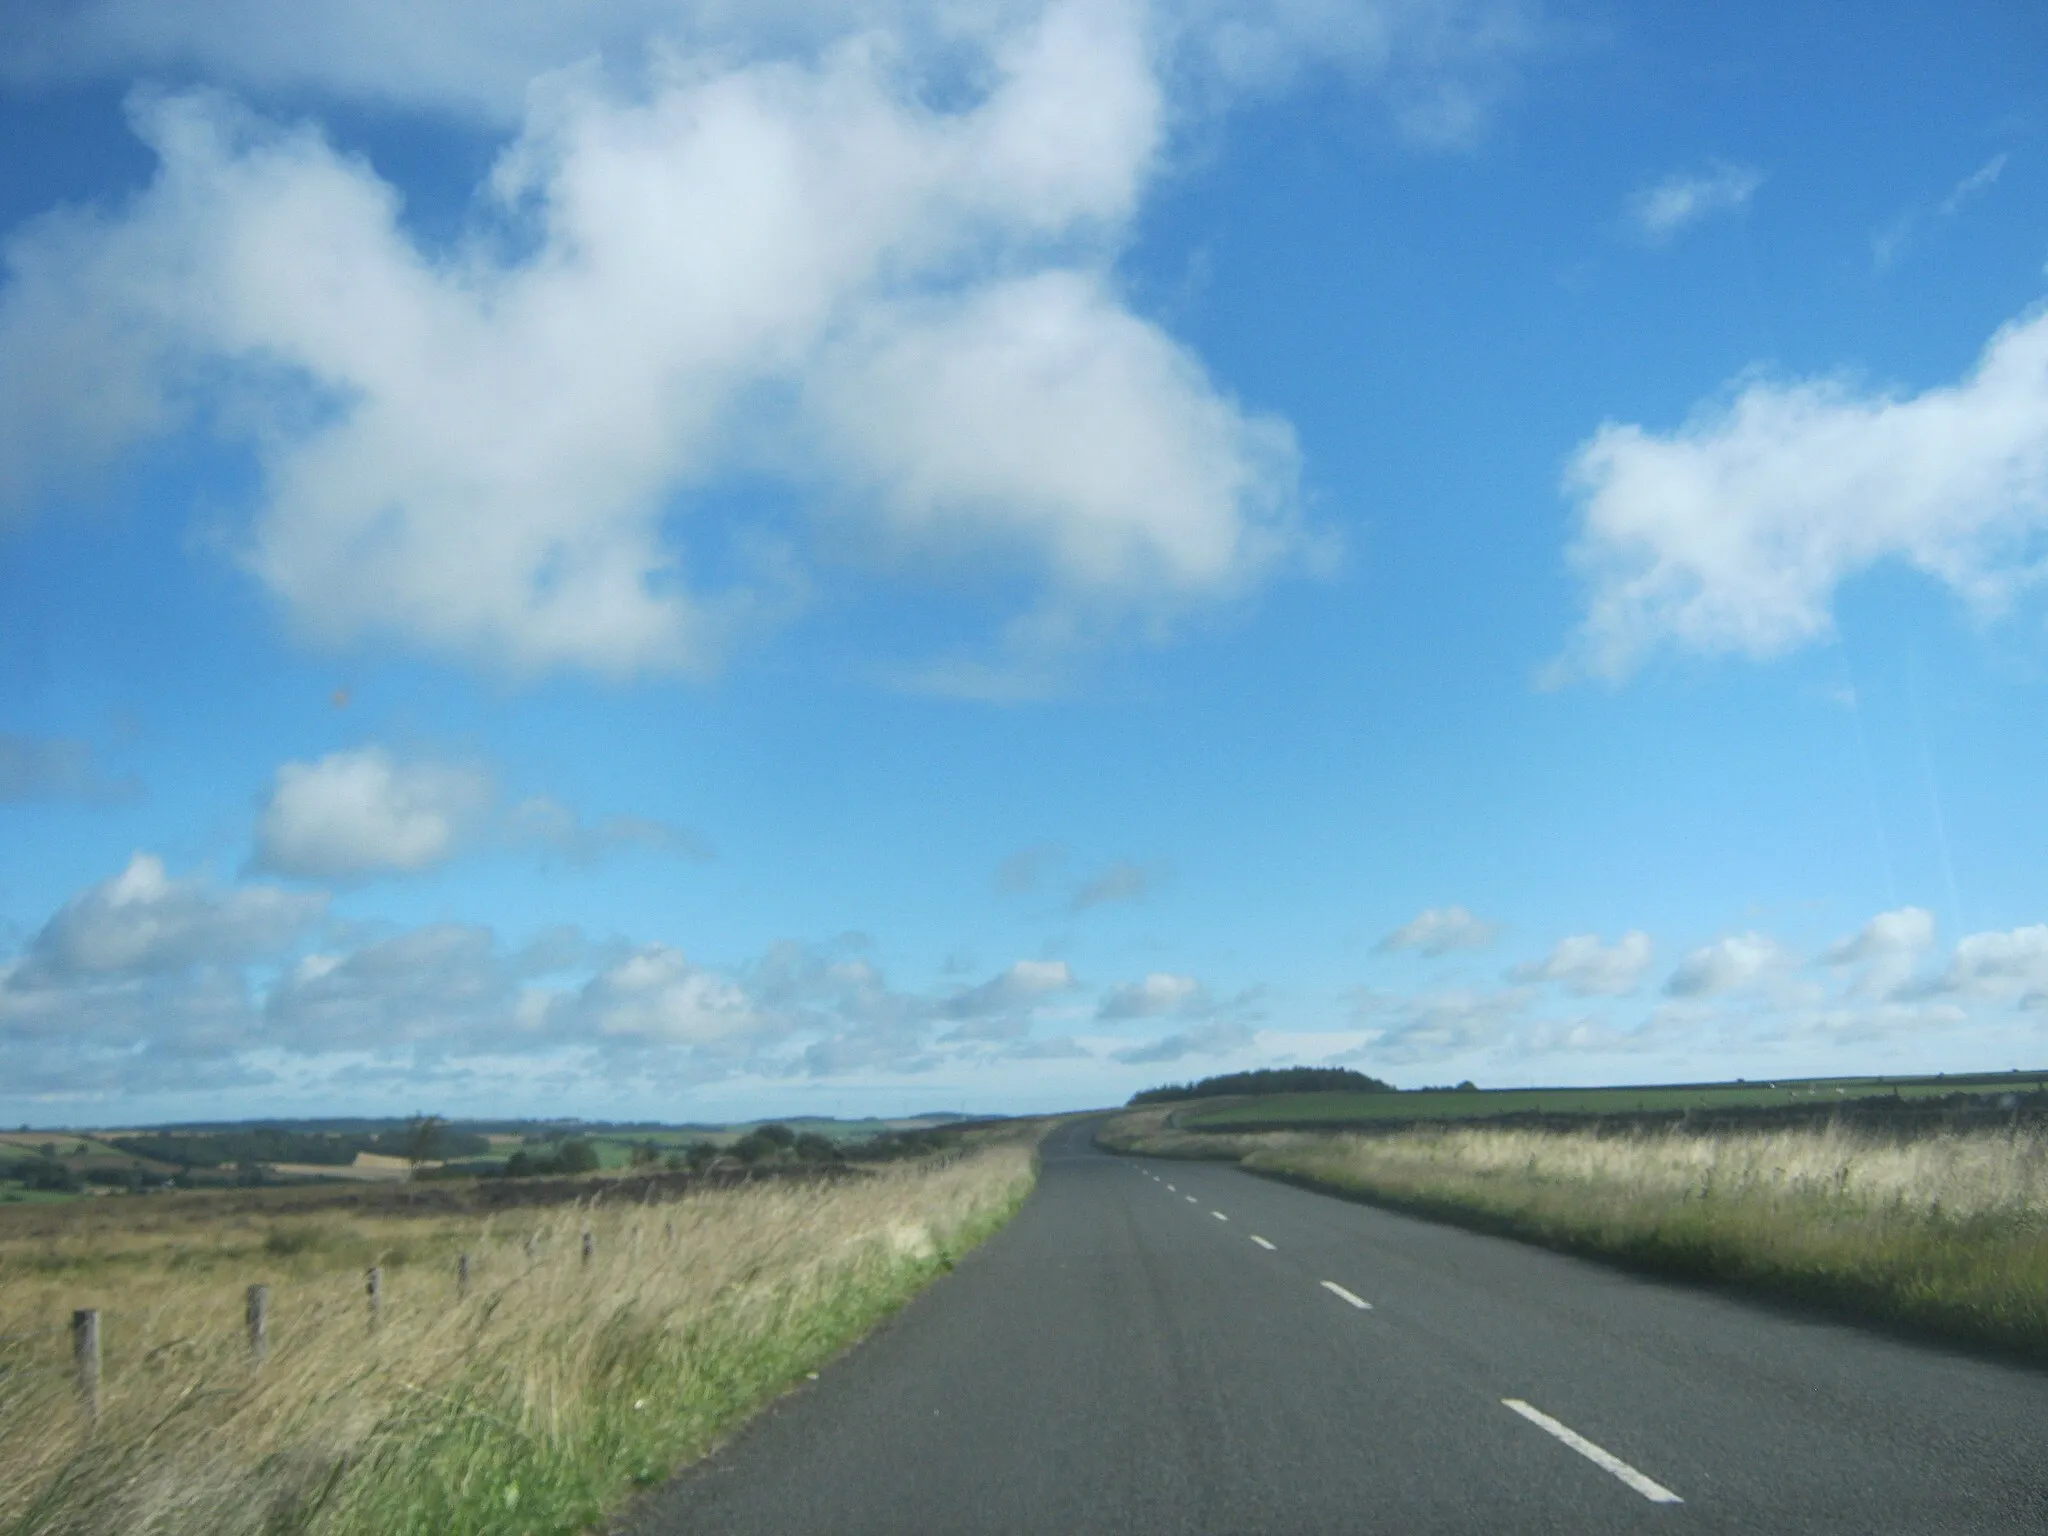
(589, 1245)
(375, 1287)
(85, 1350)
(461, 1275)
(259, 1322)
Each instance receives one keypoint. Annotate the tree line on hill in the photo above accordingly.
(1267, 1080)
(763, 1145)
(249, 1155)
(324, 1149)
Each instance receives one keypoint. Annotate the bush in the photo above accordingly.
(889, 1146)
(570, 1157)
(814, 1148)
(575, 1156)
(47, 1174)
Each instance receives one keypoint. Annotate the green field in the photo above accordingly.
(1347, 1109)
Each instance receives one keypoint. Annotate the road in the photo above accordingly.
(1162, 1347)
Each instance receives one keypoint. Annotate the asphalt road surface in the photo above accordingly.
(1161, 1347)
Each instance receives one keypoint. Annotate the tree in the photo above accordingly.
(423, 1140)
(645, 1154)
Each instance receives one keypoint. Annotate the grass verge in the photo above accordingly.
(1945, 1233)
(533, 1404)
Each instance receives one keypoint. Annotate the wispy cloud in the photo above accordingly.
(1660, 213)
(56, 768)
(1021, 873)
(1439, 930)
(1121, 881)
(1158, 994)
(1888, 243)
(1217, 1039)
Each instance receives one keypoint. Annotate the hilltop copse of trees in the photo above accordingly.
(1267, 1080)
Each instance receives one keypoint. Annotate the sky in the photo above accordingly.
(670, 559)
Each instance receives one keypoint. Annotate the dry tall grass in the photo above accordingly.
(529, 1405)
(1948, 1232)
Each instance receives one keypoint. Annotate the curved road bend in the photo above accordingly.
(1158, 1347)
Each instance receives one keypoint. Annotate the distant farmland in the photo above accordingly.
(1326, 1111)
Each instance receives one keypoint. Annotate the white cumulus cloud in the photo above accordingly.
(1740, 960)
(655, 996)
(793, 267)
(145, 921)
(367, 812)
(2011, 964)
(364, 812)
(1585, 967)
(1885, 950)
(1731, 534)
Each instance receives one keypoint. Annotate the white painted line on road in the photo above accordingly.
(1219, 1216)
(1337, 1290)
(1263, 1243)
(1649, 1488)
(1170, 1187)
(1191, 1200)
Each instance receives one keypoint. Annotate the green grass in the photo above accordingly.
(460, 1461)
(1346, 1109)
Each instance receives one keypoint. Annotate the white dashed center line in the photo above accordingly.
(1191, 1200)
(1219, 1216)
(1263, 1243)
(1337, 1290)
(1169, 1186)
(1649, 1488)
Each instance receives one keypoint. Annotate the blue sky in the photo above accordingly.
(665, 559)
